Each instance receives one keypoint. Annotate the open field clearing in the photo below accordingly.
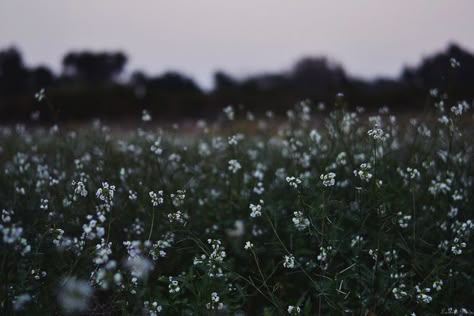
(324, 213)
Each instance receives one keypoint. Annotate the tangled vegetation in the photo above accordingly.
(326, 213)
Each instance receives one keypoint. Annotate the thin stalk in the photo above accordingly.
(152, 223)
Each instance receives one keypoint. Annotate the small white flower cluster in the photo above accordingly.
(229, 112)
(424, 131)
(438, 285)
(133, 286)
(399, 292)
(136, 248)
(341, 159)
(403, 220)
(137, 227)
(289, 261)
(215, 302)
(234, 166)
(173, 286)
(248, 245)
(256, 209)
(106, 194)
(40, 95)
(146, 117)
(293, 182)
(174, 160)
(315, 136)
(235, 139)
(374, 253)
(304, 110)
(458, 195)
(132, 195)
(152, 308)
(38, 274)
(158, 249)
(12, 234)
(103, 250)
(462, 232)
(178, 197)
(390, 256)
(409, 174)
(444, 120)
(93, 228)
(356, 241)
(259, 189)
(377, 133)
(349, 121)
(456, 311)
(107, 275)
(59, 235)
(398, 275)
(21, 164)
(364, 172)
(156, 147)
(76, 245)
(453, 212)
(216, 257)
(323, 256)
(7, 216)
(79, 189)
(204, 149)
(294, 310)
(440, 185)
(457, 246)
(460, 108)
(300, 221)
(156, 198)
(218, 144)
(44, 204)
(422, 295)
(20, 190)
(454, 63)
(328, 179)
(178, 217)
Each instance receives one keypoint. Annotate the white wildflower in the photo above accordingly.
(328, 179)
(248, 245)
(289, 262)
(300, 221)
(234, 166)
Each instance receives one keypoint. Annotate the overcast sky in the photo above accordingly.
(368, 37)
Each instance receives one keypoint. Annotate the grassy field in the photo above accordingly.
(324, 213)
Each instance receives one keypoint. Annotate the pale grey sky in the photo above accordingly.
(197, 37)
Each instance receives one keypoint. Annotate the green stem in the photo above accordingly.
(152, 223)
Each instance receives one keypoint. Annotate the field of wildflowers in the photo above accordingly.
(326, 213)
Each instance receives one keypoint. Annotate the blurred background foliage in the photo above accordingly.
(93, 85)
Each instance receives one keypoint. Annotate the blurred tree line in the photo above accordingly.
(91, 85)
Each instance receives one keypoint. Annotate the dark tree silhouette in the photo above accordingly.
(317, 74)
(41, 77)
(172, 82)
(437, 72)
(224, 81)
(13, 74)
(94, 68)
(89, 87)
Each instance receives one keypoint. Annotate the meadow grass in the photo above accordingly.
(325, 213)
